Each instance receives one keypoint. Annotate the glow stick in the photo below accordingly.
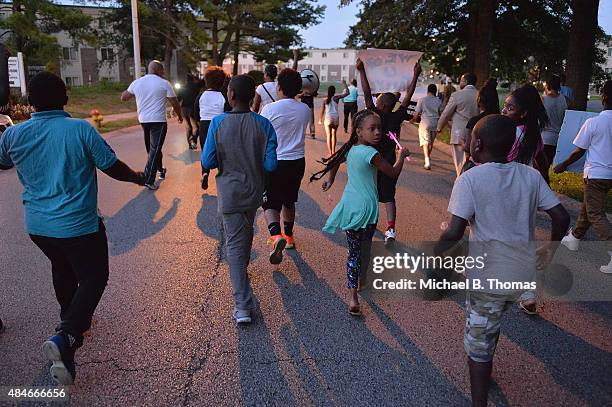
(393, 137)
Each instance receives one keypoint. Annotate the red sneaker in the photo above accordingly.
(290, 242)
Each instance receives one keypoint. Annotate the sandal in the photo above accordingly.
(530, 309)
(355, 310)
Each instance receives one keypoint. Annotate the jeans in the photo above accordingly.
(202, 133)
(193, 126)
(350, 108)
(79, 266)
(154, 136)
(593, 210)
(238, 231)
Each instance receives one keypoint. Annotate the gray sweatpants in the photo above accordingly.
(238, 232)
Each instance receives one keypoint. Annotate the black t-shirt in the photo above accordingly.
(189, 93)
(472, 122)
(390, 122)
(308, 100)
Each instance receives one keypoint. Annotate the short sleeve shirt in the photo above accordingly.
(151, 93)
(289, 119)
(500, 202)
(212, 103)
(56, 159)
(391, 122)
(595, 136)
(267, 92)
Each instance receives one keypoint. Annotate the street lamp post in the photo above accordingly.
(136, 38)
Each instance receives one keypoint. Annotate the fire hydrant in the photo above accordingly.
(97, 118)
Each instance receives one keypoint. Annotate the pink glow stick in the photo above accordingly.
(393, 137)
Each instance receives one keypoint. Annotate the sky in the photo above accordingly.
(333, 29)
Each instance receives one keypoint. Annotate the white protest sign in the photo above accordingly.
(572, 122)
(389, 70)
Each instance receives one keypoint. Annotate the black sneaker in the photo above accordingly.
(312, 136)
(59, 350)
(151, 187)
(162, 173)
(204, 182)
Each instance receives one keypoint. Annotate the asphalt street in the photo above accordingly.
(163, 333)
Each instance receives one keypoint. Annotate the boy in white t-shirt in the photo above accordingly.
(428, 108)
(594, 139)
(499, 199)
(266, 92)
(151, 92)
(289, 118)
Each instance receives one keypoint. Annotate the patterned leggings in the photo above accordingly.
(359, 244)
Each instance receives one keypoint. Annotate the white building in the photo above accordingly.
(332, 65)
(607, 47)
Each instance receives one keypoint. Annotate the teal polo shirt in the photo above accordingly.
(56, 158)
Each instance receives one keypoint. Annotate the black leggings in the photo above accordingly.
(350, 108)
(203, 132)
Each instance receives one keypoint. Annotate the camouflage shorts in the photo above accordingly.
(483, 315)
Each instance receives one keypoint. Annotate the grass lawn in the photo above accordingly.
(568, 183)
(118, 124)
(103, 96)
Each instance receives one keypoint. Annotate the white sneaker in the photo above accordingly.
(570, 241)
(390, 235)
(427, 166)
(242, 316)
(607, 269)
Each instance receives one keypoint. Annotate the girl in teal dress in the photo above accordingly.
(357, 211)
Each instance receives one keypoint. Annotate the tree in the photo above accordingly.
(581, 49)
(32, 23)
(517, 40)
(265, 28)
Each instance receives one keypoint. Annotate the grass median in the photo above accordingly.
(569, 183)
(105, 97)
(118, 124)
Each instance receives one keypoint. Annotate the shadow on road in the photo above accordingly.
(187, 157)
(343, 361)
(135, 222)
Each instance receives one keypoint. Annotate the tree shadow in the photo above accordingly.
(135, 222)
(344, 363)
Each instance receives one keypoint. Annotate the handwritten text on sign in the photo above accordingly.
(389, 70)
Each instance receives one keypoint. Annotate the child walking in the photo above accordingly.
(330, 116)
(502, 227)
(390, 122)
(242, 145)
(357, 212)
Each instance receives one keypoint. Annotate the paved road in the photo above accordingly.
(163, 334)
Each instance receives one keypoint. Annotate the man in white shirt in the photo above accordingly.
(428, 109)
(461, 107)
(266, 92)
(594, 139)
(289, 118)
(151, 92)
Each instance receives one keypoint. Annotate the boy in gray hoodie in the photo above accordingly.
(242, 145)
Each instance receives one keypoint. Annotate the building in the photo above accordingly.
(607, 47)
(332, 65)
(82, 64)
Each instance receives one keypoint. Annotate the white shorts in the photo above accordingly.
(332, 120)
(426, 136)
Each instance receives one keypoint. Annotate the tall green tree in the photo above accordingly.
(31, 24)
(518, 40)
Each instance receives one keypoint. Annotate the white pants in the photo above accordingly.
(458, 158)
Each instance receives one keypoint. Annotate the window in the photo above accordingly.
(324, 55)
(345, 55)
(244, 56)
(309, 54)
(323, 78)
(69, 53)
(73, 81)
(107, 54)
(344, 67)
(610, 51)
(323, 66)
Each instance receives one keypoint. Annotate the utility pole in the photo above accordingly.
(136, 38)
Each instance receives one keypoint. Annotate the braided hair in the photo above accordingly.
(528, 98)
(340, 156)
